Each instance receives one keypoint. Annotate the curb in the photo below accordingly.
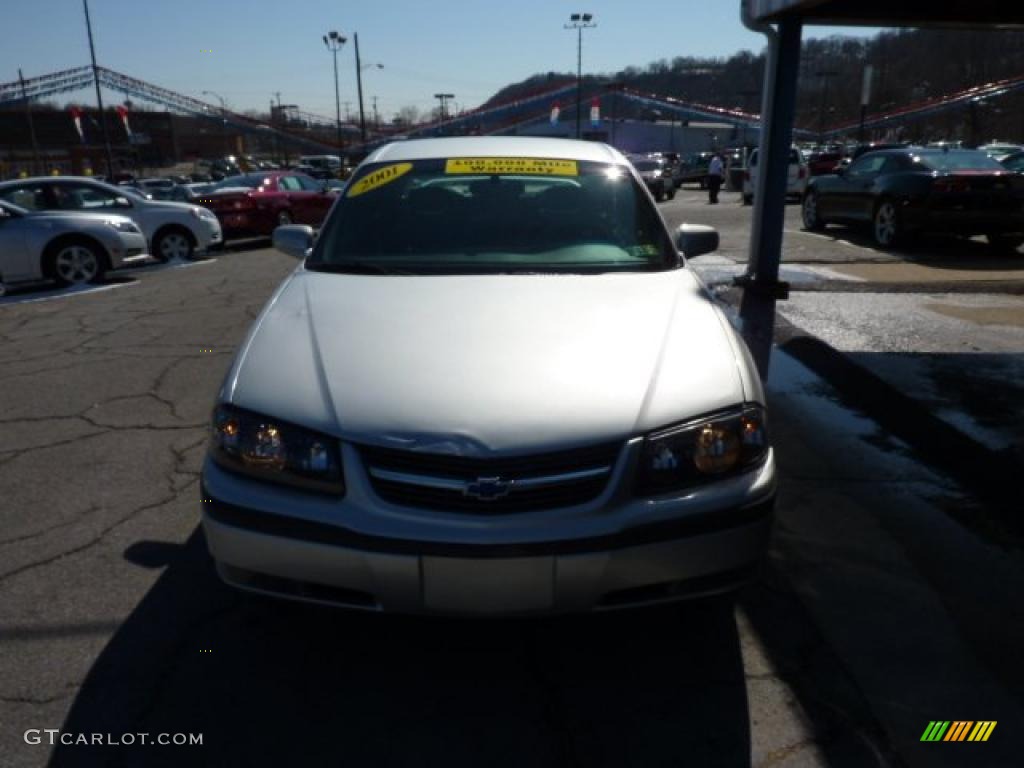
(992, 476)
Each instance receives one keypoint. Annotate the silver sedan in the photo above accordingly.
(493, 386)
(68, 247)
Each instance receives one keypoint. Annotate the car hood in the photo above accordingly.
(482, 365)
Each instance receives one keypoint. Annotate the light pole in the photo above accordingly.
(99, 98)
(825, 75)
(223, 119)
(359, 85)
(333, 40)
(579, 22)
(443, 98)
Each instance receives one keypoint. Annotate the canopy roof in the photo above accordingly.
(890, 13)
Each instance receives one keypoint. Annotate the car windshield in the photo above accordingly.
(960, 160)
(470, 215)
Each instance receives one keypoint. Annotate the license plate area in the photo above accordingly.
(505, 585)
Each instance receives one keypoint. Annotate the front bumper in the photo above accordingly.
(688, 549)
(656, 186)
(209, 236)
(126, 248)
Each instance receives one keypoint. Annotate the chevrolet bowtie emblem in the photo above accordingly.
(487, 488)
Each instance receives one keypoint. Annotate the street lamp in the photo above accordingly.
(333, 40)
(579, 22)
(223, 118)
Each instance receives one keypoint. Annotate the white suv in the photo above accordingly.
(171, 229)
(796, 179)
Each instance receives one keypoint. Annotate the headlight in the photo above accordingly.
(203, 213)
(270, 449)
(122, 226)
(655, 174)
(702, 451)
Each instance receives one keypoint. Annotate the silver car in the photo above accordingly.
(68, 247)
(173, 230)
(493, 386)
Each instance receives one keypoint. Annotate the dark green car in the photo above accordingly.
(901, 192)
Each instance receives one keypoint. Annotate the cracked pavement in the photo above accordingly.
(112, 620)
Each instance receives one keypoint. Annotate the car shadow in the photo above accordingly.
(934, 250)
(238, 245)
(275, 683)
(45, 290)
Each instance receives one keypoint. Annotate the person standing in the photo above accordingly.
(716, 174)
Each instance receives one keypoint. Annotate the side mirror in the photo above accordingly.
(294, 239)
(124, 202)
(696, 239)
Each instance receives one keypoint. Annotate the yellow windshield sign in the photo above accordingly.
(378, 178)
(512, 165)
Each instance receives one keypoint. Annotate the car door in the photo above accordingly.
(298, 200)
(853, 188)
(862, 191)
(320, 199)
(16, 262)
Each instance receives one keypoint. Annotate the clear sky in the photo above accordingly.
(467, 47)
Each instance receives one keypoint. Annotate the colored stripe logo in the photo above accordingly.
(958, 730)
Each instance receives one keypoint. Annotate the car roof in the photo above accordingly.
(39, 179)
(497, 146)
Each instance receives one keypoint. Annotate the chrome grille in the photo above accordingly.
(490, 486)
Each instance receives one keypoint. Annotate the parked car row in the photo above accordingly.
(75, 229)
(171, 229)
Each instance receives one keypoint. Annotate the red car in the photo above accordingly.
(256, 203)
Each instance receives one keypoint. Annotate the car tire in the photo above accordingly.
(173, 242)
(284, 218)
(748, 199)
(1005, 245)
(885, 224)
(76, 262)
(809, 212)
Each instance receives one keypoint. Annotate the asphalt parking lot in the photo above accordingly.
(877, 610)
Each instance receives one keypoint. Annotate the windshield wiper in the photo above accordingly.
(355, 268)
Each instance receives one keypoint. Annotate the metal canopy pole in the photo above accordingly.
(99, 98)
(37, 165)
(761, 286)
